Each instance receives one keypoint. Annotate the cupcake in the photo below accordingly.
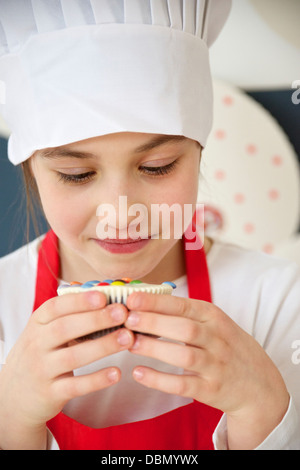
(115, 291)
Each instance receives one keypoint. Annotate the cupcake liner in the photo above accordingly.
(98, 334)
(117, 294)
(114, 294)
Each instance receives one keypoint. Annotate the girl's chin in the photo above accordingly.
(118, 265)
(145, 264)
(95, 262)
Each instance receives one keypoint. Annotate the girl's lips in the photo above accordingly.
(122, 246)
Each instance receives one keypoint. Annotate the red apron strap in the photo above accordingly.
(186, 428)
(47, 270)
(197, 274)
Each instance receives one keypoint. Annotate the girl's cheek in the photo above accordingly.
(69, 219)
(65, 214)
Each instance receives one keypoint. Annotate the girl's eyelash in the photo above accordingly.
(77, 179)
(86, 177)
(158, 170)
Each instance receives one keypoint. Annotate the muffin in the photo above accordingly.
(115, 291)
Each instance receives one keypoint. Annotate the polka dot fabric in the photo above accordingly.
(249, 179)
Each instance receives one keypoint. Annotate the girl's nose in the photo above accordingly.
(125, 219)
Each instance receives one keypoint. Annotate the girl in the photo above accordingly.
(119, 97)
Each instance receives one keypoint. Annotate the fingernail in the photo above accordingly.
(124, 338)
(113, 375)
(135, 301)
(137, 342)
(138, 374)
(133, 319)
(95, 299)
(117, 314)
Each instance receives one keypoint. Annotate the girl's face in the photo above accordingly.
(118, 170)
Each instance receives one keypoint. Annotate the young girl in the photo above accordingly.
(108, 99)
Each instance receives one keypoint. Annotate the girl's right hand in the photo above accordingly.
(37, 379)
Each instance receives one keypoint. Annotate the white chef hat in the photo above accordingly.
(83, 68)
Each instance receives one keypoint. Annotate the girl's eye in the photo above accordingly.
(158, 170)
(77, 179)
(88, 176)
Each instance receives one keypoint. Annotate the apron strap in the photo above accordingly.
(47, 270)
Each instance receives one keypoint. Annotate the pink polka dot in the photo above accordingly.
(277, 160)
(268, 248)
(220, 134)
(227, 100)
(220, 175)
(273, 194)
(251, 149)
(249, 228)
(239, 198)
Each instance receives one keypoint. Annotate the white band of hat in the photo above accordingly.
(72, 83)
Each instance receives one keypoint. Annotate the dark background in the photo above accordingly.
(12, 192)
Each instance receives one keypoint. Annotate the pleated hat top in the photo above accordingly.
(72, 70)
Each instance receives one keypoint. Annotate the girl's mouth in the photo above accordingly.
(118, 245)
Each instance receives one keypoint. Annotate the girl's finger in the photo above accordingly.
(68, 304)
(73, 326)
(183, 385)
(81, 354)
(188, 358)
(180, 329)
(76, 386)
(170, 305)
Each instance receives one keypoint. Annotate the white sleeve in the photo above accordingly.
(284, 437)
(277, 329)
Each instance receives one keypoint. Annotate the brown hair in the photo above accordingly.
(33, 201)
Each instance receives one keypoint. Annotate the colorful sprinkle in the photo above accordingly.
(107, 282)
(89, 284)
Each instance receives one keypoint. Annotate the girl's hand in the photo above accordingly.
(37, 379)
(224, 366)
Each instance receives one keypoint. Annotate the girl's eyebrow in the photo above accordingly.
(157, 141)
(62, 153)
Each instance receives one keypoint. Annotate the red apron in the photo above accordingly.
(189, 427)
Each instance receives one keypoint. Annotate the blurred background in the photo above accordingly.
(250, 179)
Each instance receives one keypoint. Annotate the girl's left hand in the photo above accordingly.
(224, 366)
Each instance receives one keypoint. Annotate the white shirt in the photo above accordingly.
(259, 292)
